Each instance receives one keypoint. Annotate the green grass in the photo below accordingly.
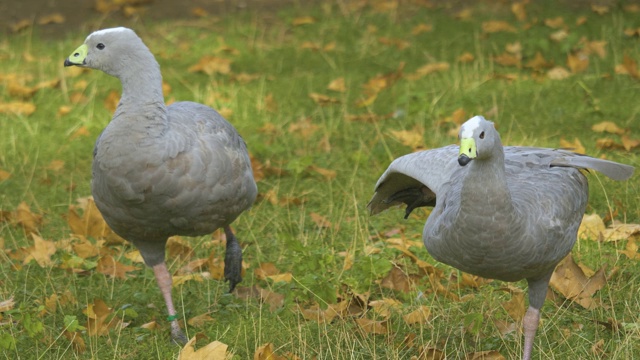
(531, 110)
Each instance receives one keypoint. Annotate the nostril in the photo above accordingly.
(76, 54)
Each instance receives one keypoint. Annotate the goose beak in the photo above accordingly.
(468, 151)
(78, 57)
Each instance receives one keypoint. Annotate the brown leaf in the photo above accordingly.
(213, 351)
(575, 145)
(23, 217)
(197, 265)
(466, 57)
(4, 175)
(90, 223)
(630, 66)
(41, 251)
(538, 63)
(112, 100)
(570, 280)
(315, 313)
(109, 266)
(398, 280)
(85, 249)
(371, 326)
(320, 221)
(515, 306)
(506, 59)
(630, 251)
(609, 127)
(6, 305)
(518, 9)
(265, 270)
(419, 316)
(629, 143)
(608, 144)
(326, 173)
(410, 138)
(212, 65)
(54, 18)
(577, 62)
(555, 23)
(177, 247)
(421, 28)
(323, 100)
(591, 227)
(17, 108)
(494, 26)
(266, 352)
(430, 353)
(599, 9)
(303, 20)
(618, 232)
(200, 320)
(304, 127)
(558, 73)
(429, 69)
(101, 319)
(337, 85)
(486, 355)
(398, 43)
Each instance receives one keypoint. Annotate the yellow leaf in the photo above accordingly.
(212, 351)
(558, 73)
(322, 100)
(630, 251)
(4, 175)
(285, 277)
(421, 28)
(619, 232)
(41, 251)
(211, 65)
(506, 59)
(555, 23)
(107, 265)
(6, 305)
(629, 143)
(54, 18)
(578, 62)
(385, 306)
(337, 85)
(429, 69)
(570, 280)
(368, 101)
(494, 26)
(591, 227)
(326, 173)
(575, 146)
(418, 316)
(515, 306)
(152, 325)
(265, 352)
(18, 108)
(410, 138)
(398, 43)
(200, 320)
(599, 9)
(178, 280)
(608, 126)
(56, 165)
(518, 9)
(303, 20)
(371, 326)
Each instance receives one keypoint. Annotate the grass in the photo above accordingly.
(529, 109)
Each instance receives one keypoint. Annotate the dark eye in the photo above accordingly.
(100, 46)
(482, 135)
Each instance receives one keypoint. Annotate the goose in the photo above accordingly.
(506, 213)
(159, 170)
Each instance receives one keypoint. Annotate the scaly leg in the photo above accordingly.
(232, 260)
(164, 282)
(530, 325)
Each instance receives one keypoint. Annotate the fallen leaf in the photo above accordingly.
(555, 23)
(200, 320)
(266, 352)
(427, 69)
(630, 251)
(515, 306)
(574, 146)
(303, 20)
(4, 175)
(559, 35)
(486, 355)
(212, 65)
(337, 85)
(109, 266)
(577, 62)
(6, 305)
(418, 316)
(570, 281)
(215, 350)
(18, 108)
(328, 174)
(41, 251)
(315, 313)
(494, 26)
(410, 138)
(506, 59)
(619, 232)
(54, 18)
(372, 327)
(421, 28)
(599, 9)
(629, 143)
(466, 57)
(609, 127)
(591, 227)
(75, 337)
(538, 63)
(398, 43)
(23, 217)
(323, 100)
(518, 9)
(320, 221)
(101, 319)
(558, 73)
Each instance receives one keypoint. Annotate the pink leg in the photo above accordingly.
(164, 282)
(530, 325)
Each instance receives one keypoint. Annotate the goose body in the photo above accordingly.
(160, 170)
(506, 213)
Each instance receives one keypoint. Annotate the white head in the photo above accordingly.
(478, 140)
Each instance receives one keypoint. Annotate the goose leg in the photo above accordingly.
(530, 325)
(164, 283)
(232, 260)
(537, 293)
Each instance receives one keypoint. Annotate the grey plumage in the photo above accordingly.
(163, 170)
(506, 213)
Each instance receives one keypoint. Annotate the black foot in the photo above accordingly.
(232, 260)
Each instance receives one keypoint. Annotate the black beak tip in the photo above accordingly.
(463, 160)
(68, 63)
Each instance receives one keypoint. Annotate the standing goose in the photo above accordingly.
(506, 213)
(160, 170)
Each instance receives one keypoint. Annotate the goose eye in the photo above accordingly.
(100, 46)
(482, 135)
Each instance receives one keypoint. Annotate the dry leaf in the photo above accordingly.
(518, 9)
(630, 251)
(54, 18)
(599, 9)
(41, 251)
(538, 63)
(211, 65)
(410, 138)
(337, 85)
(200, 320)
(398, 43)
(17, 108)
(555, 23)
(618, 232)
(371, 326)
(421, 28)
(559, 35)
(486, 355)
(558, 73)
(578, 62)
(23, 217)
(466, 57)
(418, 316)
(609, 127)
(570, 280)
(429, 69)
(629, 143)
(266, 352)
(320, 221)
(591, 227)
(494, 26)
(326, 173)
(574, 146)
(6, 305)
(303, 20)
(101, 319)
(4, 175)
(304, 127)
(506, 59)
(515, 306)
(212, 351)
(323, 100)
(109, 266)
